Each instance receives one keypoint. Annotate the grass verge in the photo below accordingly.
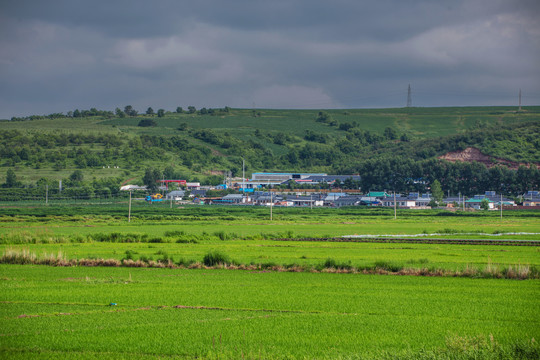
(218, 260)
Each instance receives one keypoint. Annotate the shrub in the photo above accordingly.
(330, 263)
(185, 262)
(385, 265)
(215, 258)
(147, 123)
(129, 254)
(145, 258)
(174, 233)
(222, 235)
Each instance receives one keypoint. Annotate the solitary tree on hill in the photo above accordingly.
(130, 111)
(77, 176)
(120, 113)
(11, 179)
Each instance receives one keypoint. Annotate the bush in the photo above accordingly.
(385, 265)
(129, 254)
(330, 263)
(215, 258)
(145, 258)
(147, 123)
(185, 262)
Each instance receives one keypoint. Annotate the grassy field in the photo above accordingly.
(84, 218)
(359, 255)
(419, 122)
(64, 312)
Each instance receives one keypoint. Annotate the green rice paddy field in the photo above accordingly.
(52, 312)
(65, 312)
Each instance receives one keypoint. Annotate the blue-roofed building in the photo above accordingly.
(271, 179)
(328, 179)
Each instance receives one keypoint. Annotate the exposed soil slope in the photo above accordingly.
(471, 154)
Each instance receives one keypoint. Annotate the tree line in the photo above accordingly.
(128, 111)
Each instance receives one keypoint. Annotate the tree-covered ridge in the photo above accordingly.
(200, 144)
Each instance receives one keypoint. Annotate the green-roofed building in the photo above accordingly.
(379, 194)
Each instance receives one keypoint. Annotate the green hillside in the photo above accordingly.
(201, 145)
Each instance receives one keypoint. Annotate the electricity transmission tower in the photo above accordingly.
(409, 98)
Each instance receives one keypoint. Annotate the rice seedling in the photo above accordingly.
(224, 313)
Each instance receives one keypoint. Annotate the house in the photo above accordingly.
(197, 193)
(332, 197)
(328, 179)
(259, 180)
(370, 201)
(175, 195)
(265, 198)
(497, 198)
(193, 185)
(354, 200)
(454, 201)
(531, 198)
(132, 188)
(234, 199)
(476, 204)
(535, 201)
(313, 200)
(420, 200)
(379, 194)
(400, 201)
(492, 197)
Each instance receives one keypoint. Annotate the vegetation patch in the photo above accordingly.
(218, 260)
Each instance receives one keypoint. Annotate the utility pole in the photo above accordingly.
(501, 206)
(409, 97)
(395, 207)
(271, 205)
(243, 176)
(129, 211)
(519, 100)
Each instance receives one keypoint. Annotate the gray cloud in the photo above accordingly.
(65, 54)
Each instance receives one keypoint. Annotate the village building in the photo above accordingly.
(313, 200)
(531, 198)
(176, 195)
(234, 199)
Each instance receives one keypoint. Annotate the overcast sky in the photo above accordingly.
(59, 55)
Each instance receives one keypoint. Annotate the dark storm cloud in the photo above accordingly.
(64, 54)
